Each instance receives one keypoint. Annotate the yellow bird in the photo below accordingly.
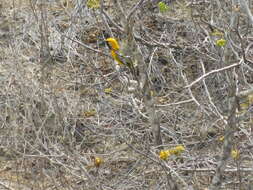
(114, 47)
(118, 55)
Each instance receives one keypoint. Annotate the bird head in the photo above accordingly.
(112, 43)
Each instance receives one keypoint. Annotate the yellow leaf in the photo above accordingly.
(108, 90)
(217, 33)
(178, 150)
(163, 99)
(93, 4)
(90, 113)
(244, 106)
(235, 154)
(221, 138)
(163, 155)
(98, 161)
(221, 42)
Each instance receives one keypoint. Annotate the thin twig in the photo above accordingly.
(136, 6)
(176, 103)
(213, 170)
(212, 72)
(86, 46)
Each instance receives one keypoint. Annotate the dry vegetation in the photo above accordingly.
(63, 104)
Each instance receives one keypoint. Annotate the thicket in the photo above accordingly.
(71, 119)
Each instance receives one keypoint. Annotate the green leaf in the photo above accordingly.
(221, 42)
(163, 7)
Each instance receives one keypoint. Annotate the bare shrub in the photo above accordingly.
(70, 120)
